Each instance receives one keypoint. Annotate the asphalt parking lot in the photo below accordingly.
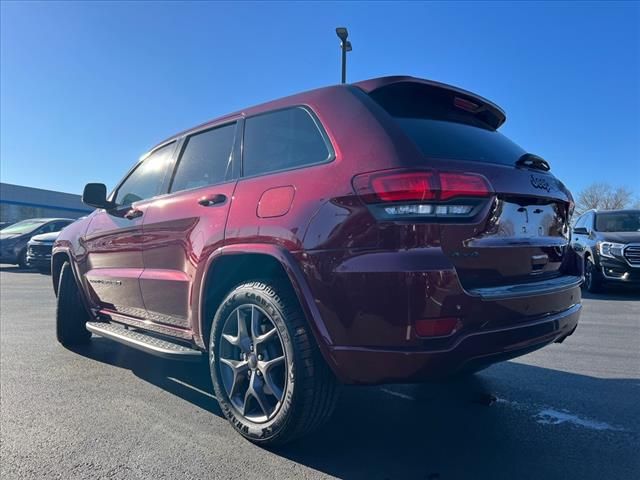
(568, 411)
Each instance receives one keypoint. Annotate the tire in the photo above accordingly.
(592, 277)
(71, 316)
(308, 391)
(22, 259)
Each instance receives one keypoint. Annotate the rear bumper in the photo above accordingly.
(369, 304)
(470, 352)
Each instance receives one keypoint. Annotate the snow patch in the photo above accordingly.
(549, 416)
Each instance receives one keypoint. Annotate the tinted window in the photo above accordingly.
(440, 128)
(206, 159)
(146, 180)
(618, 222)
(49, 227)
(439, 138)
(280, 140)
(57, 226)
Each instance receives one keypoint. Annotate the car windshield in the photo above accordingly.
(618, 222)
(26, 226)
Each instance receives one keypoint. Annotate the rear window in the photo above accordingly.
(439, 138)
(430, 117)
(282, 140)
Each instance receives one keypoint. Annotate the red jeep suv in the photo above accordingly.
(377, 232)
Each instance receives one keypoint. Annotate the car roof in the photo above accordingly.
(367, 86)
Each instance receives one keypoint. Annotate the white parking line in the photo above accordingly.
(397, 394)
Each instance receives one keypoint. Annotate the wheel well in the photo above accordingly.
(56, 266)
(232, 270)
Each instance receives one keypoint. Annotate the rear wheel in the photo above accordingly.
(71, 316)
(592, 277)
(268, 375)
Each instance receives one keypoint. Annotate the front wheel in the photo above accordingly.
(71, 316)
(22, 259)
(592, 277)
(268, 375)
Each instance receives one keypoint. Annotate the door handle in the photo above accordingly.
(211, 200)
(133, 213)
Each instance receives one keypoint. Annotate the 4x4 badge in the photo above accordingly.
(541, 183)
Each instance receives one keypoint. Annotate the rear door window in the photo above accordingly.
(147, 179)
(206, 159)
(282, 140)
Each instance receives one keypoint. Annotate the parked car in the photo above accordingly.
(14, 238)
(39, 251)
(608, 242)
(378, 232)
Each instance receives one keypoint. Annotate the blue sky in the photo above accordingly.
(86, 88)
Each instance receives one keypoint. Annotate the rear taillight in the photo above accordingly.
(402, 194)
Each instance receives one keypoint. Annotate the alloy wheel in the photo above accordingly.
(252, 363)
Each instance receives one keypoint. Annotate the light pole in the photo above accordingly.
(346, 47)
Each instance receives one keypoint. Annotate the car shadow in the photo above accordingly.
(614, 292)
(16, 269)
(487, 425)
(187, 380)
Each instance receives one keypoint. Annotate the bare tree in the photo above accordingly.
(603, 197)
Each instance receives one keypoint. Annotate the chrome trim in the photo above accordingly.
(623, 278)
(143, 342)
(624, 254)
(532, 289)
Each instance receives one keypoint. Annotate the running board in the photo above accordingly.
(144, 342)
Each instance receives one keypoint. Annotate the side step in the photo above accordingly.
(144, 342)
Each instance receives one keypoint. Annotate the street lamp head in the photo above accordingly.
(348, 46)
(342, 33)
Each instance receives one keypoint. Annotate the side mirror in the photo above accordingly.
(580, 231)
(95, 195)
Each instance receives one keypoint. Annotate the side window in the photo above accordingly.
(580, 222)
(205, 159)
(281, 140)
(48, 228)
(57, 226)
(588, 223)
(146, 180)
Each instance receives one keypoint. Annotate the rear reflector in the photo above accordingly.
(437, 327)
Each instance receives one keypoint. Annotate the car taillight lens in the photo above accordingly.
(397, 194)
(400, 187)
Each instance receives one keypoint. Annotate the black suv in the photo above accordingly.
(609, 244)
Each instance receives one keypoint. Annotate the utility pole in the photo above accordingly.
(345, 47)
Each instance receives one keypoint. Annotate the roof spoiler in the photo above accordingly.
(487, 111)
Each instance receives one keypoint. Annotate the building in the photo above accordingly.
(19, 203)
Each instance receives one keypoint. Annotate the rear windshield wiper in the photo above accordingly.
(530, 160)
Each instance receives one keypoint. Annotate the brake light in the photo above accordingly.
(399, 187)
(394, 194)
(462, 185)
